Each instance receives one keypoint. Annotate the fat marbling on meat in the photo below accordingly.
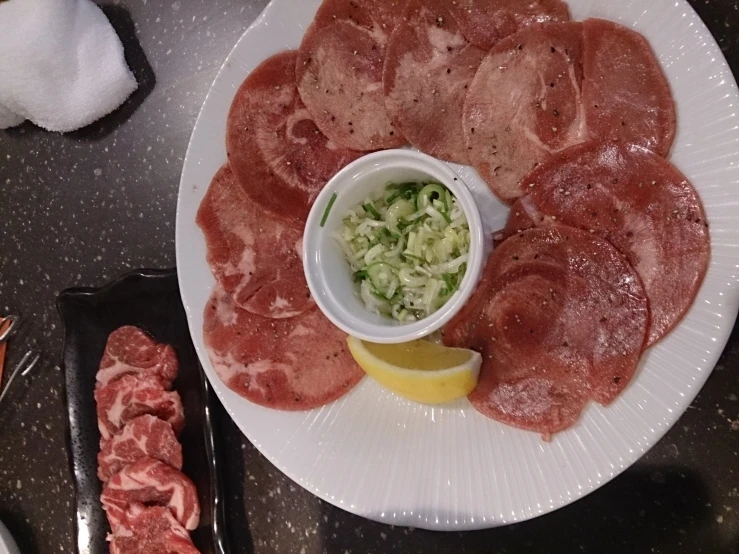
(339, 72)
(560, 318)
(130, 350)
(640, 203)
(297, 363)
(131, 396)
(433, 55)
(525, 104)
(144, 436)
(253, 254)
(153, 483)
(150, 530)
(274, 148)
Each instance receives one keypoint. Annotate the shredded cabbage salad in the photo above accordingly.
(407, 246)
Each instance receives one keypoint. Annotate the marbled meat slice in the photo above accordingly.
(339, 73)
(131, 350)
(288, 364)
(560, 317)
(254, 255)
(145, 435)
(131, 396)
(625, 92)
(485, 22)
(428, 69)
(152, 483)
(151, 530)
(433, 55)
(274, 147)
(637, 201)
(525, 104)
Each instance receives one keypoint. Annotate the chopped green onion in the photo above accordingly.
(372, 211)
(328, 209)
(407, 246)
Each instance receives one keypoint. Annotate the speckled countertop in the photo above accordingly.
(83, 208)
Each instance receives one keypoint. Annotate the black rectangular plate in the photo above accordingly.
(149, 299)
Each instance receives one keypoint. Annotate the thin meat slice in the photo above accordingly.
(385, 14)
(339, 74)
(524, 104)
(151, 530)
(144, 436)
(288, 364)
(274, 147)
(254, 255)
(625, 92)
(132, 396)
(485, 22)
(560, 317)
(637, 201)
(131, 350)
(153, 483)
(428, 69)
(433, 56)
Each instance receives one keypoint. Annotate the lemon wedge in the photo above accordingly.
(419, 370)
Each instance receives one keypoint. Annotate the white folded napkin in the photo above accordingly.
(61, 64)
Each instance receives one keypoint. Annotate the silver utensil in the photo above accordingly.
(24, 367)
(13, 319)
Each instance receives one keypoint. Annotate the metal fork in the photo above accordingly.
(23, 367)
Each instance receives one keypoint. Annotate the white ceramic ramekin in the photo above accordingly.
(327, 271)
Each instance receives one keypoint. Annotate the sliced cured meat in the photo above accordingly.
(428, 69)
(560, 317)
(339, 73)
(131, 350)
(625, 92)
(367, 13)
(153, 483)
(485, 22)
(637, 201)
(131, 396)
(289, 364)
(254, 255)
(434, 53)
(151, 530)
(524, 104)
(274, 147)
(145, 435)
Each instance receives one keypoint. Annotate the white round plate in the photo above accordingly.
(7, 544)
(449, 468)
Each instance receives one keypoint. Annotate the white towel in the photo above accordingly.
(61, 64)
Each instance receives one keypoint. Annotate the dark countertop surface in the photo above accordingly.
(82, 208)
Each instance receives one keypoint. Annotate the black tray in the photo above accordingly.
(149, 299)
